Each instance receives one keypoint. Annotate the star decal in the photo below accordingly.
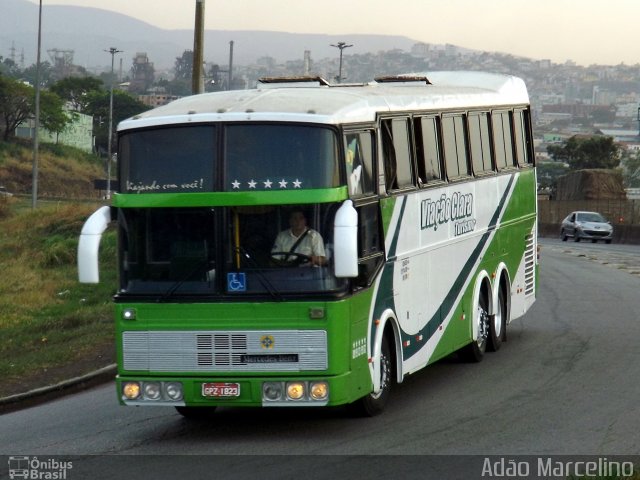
(268, 183)
(251, 183)
(283, 183)
(236, 184)
(297, 183)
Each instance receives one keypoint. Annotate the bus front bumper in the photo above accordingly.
(316, 391)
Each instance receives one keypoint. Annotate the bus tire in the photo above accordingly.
(498, 326)
(474, 352)
(196, 413)
(373, 404)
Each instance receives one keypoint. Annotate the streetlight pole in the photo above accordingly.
(341, 46)
(197, 71)
(34, 187)
(113, 52)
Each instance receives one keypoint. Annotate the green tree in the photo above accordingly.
(548, 173)
(124, 106)
(631, 171)
(16, 105)
(29, 74)
(75, 90)
(9, 68)
(53, 116)
(587, 152)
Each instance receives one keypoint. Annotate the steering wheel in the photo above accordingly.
(299, 258)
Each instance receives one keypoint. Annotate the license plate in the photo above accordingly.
(220, 390)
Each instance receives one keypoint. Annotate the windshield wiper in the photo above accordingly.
(169, 293)
(264, 281)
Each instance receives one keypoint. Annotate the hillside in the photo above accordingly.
(89, 31)
(62, 171)
(52, 327)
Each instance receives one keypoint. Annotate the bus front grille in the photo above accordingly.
(238, 351)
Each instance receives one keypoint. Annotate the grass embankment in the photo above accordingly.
(51, 326)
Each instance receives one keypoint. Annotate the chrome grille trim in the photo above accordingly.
(223, 351)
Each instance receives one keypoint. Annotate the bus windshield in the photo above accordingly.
(255, 157)
(214, 252)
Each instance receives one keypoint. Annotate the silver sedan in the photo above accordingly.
(586, 225)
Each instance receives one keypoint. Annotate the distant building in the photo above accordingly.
(77, 134)
(157, 99)
(142, 73)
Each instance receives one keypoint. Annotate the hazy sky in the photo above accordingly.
(585, 31)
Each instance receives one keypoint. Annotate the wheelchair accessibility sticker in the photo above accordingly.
(236, 282)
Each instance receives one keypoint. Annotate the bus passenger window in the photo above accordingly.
(455, 147)
(502, 139)
(520, 131)
(480, 142)
(428, 149)
(359, 163)
(370, 243)
(397, 153)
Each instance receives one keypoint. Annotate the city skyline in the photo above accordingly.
(560, 30)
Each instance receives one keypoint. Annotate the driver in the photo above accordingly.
(301, 240)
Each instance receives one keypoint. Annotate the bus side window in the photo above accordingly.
(502, 139)
(455, 146)
(370, 243)
(359, 163)
(396, 145)
(428, 149)
(520, 133)
(480, 142)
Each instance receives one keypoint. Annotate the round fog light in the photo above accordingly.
(174, 390)
(131, 390)
(319, 390)
(295, 390)
(272, 391)
(152, 390)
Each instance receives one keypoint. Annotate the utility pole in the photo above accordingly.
(34, 187)
(230, 64)
(341, 46)
(197, 73)
(113, 52)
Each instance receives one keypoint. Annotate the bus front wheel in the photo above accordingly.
(373, 404)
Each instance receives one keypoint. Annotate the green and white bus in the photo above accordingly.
(419, 190)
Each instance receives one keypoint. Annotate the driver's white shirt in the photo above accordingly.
(311, 244)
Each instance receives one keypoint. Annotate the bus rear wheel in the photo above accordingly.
(474, 352)
(373, 404)
(498, 326)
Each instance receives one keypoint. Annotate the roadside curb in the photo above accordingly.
(38, 395)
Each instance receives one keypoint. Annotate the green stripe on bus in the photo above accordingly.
(230, 199)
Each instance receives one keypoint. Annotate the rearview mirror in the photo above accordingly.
(345, 241)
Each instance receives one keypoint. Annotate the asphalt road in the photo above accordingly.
(566, 382)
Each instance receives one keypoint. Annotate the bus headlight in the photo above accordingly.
(272, 391)
(152, 390)
(131, 390)
(174, 391)
(295, 390)
(319, 390)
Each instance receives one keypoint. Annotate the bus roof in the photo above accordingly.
(318, 102)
